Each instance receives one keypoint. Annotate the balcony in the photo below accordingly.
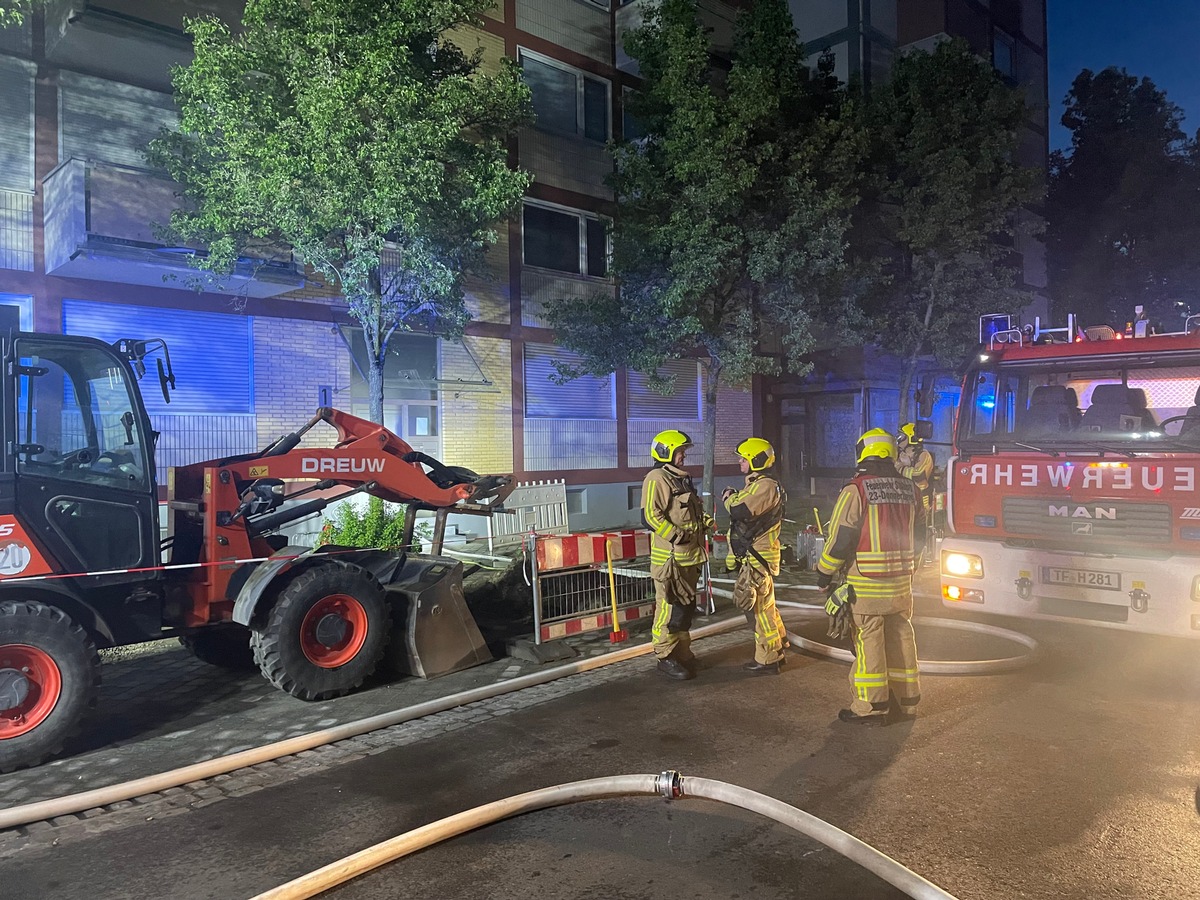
(99, 225)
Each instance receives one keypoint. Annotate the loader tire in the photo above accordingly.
(49, 679)
(224, 646)
(326, 632)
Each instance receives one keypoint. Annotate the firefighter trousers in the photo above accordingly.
(885, 659)
(675, 605)
(770, 635)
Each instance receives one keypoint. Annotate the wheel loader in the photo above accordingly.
(83, 566)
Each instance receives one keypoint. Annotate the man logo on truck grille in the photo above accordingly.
(1082, 512)
(1081, 528)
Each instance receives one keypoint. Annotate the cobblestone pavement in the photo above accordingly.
(164, 734)
(160, 708)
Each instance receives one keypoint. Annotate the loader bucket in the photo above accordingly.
(435, 633)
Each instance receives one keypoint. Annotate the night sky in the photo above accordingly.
(1154, 38)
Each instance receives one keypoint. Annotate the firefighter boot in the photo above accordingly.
(756, 668)
(901, 710)
(673, 668)
(853, 718)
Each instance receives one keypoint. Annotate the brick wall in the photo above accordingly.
(477, 423)
(292, 359)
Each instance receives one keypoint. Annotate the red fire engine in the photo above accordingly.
(1074, 489)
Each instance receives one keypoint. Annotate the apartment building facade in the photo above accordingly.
(84, 86)
(820, 415)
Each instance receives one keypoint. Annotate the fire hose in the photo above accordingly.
(670, 785)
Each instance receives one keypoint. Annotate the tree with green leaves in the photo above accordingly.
(13, 12)
(360, 135)
(731, 207)
(1123, 222)
(942, 189)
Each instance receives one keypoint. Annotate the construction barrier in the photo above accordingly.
(573, 589)
(533, 506)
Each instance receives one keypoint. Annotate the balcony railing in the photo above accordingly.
(100, 223)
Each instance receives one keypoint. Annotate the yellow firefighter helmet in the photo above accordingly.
(876, 443)
(665, 443)
(758, 452)
(908, 434)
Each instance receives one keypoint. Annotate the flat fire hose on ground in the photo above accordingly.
(670, 785)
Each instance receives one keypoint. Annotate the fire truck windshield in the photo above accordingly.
(1105, 405)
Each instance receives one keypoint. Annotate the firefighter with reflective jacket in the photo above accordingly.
(755, 520)
(877, 525)
(674, 514)
(915, 462)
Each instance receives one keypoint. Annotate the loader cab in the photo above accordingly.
(79, 458)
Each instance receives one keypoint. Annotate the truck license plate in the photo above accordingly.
(1105, 581)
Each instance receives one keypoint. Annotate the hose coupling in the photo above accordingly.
(670, 784)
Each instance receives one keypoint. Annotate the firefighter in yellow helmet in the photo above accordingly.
(915, 462)
(674, 514)
(755, 520)
(877, 525)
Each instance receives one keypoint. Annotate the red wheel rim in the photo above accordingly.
(353, 619)
(45, 687)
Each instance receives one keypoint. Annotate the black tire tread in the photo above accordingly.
(268, 642)
(36, 610)
(226, 647)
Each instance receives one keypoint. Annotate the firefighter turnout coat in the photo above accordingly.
(672, 511)
(877, 524)
(917, 464)
(674, 515)
(756, 511)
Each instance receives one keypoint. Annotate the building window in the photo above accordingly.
(683, 403)
(565, 240)
(577, 501)
(631, 128)
(566, 100)
(585, 397)
(1004, 55)
(410, 387)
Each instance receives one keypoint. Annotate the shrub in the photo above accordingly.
(376, 526)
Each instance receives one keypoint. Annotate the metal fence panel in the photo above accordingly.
(539, 506)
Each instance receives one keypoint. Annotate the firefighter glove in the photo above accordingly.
(841, 618)
(838, 599)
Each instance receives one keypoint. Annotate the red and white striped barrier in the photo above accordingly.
(569, 551)
(556, 630)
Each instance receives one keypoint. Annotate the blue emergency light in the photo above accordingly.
(993, 324)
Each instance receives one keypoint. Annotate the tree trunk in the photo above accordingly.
(712, 383)
(375, 388)
(908, 365)
(908, 368)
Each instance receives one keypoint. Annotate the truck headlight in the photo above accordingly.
(962, 565)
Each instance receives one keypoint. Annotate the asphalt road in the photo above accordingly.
(1075, 778)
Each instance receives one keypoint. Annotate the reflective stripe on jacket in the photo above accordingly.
(761, 495)
(671, 509)
(872, 528)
